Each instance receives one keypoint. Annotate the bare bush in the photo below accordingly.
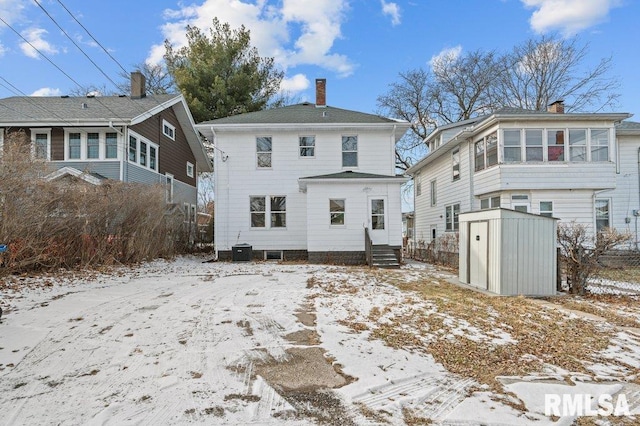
(443, 250)
(71, 223)
(580, 250)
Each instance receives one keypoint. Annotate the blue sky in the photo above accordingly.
(359, 46)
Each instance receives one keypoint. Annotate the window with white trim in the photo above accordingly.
(168, 186)
(143, 152)
(41, 143)
(603, 214)
(111, 148)
(418, 183)
(90, 144)
(186, 209)
(273, 207)
(377, 214)
(349, 151)
(546, 208)
(489, 203)
(512, 146)
(599, 144)
(336, 212)
(307, 146)
(578, 144)
(434, 192)
(75, 146)
(520, 202)
(264, 149)
(93, 146)
(169, 130)
(455, 164)
(555, 145)
(533, 145)
(451, 217)
(190, 169)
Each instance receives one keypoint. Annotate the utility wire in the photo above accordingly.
(97, 98)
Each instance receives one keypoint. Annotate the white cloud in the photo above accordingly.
(35, 37)
(293, 32)
(295, 84)
(393, 10)
(568, 16)
(2, 50)
(47, 91)
(446, 55)
(11, 10)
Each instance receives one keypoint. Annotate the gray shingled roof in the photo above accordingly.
(304, 113)
(20, 109)
(628, 125)
(352, 175)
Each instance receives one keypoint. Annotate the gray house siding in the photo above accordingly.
(108, 169)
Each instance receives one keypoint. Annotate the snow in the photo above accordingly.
(182, 342)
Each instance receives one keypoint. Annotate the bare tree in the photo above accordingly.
(580, 250)
(158, 79)
(542, 71)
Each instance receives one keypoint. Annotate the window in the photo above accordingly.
(153, 158)
(186, 211)
(533, 145)
(520, 202)
(133, 149)
(599, 145)
(193, 214)
(93, 146)
(489, 203)
(168, 130)
(168, 182)
(278, 212)
(555, 145)
(189, 169)
(418, 183)
(273, 255)
(336, 212)
(74, 146)
(258, 212)
(492, 149)
(111, 145)
(455, 164)
(512, 147)
(307, 146)
(377, 214)
(349, 151)
(546, 208)
(434, 192)
(452, 213)
(263, 150)
(479, 150)
(41, 146)
(143, 154)
(577, 144)
(602, 214)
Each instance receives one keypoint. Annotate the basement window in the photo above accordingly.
(273, 255)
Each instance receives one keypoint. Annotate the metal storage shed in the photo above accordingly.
(508, 252)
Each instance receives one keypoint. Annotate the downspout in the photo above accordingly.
(637, 212)
(216, 211)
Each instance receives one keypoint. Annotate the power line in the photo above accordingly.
(76, 44)
(92, 37)
(57, 67)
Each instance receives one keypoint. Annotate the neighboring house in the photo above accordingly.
(575, 167)
(304, 181)
(137, 138)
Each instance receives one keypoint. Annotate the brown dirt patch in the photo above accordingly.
(306, 337)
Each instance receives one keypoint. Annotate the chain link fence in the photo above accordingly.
(619, 273)
(441, 251)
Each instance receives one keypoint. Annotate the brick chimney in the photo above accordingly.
(556, 107)
(321, 92)
(138, 85)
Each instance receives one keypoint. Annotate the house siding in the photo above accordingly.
(238, 178)
(108, 169)
(173, 155)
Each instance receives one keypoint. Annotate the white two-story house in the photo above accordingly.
(578, 167)
(305, 181)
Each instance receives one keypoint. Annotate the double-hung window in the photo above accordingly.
(578, 144)
(273, 207)
(111, 145)
(599, 145)
(75, 146)
(336, 212)
(349, 151)
(479, 150)
(452, 213)
(263, 152)
(492, 149)
(133, 149)
(307, 146)
(418, 182)
(546, 208)
(602, 214)
(434, 192)
(512, 147)
(93, 145)
(169, 130)
(489, 203)
(143, 152)
(533, 145)
(40, 144)
(555, 145)
(455, 163)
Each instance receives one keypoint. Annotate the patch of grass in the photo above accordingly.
(629, 275)
(623, 311)
(410, 418)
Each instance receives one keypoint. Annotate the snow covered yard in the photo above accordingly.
(187, 342)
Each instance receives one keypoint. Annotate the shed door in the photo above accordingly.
(478, 253)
